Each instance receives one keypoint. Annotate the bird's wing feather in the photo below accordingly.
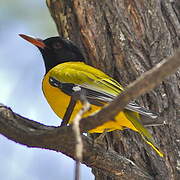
(87, 77)
(98, 86)
(141, 110)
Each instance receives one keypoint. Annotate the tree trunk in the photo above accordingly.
(125, 38)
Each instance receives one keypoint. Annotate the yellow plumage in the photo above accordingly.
(84, 75)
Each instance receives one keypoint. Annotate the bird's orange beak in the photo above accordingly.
(36, 42)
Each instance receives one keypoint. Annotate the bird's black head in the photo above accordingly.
(56, 50)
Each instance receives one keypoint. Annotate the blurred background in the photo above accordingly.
(21, 72)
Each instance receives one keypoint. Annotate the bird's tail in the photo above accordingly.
(153, 145)
(133, 117)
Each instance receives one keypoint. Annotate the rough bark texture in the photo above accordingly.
(125, 38)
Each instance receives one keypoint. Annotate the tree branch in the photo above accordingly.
(62, 139)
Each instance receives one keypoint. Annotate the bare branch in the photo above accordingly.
(77, 133)
(62, 139)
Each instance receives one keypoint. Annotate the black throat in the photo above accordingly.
(51, 61)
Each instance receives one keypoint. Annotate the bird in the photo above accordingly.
(67, 73)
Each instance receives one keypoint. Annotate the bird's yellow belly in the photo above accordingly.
(59, 102)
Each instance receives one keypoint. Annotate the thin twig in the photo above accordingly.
(77, 170)
(76, 129)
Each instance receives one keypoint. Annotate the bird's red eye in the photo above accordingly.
(57, 45)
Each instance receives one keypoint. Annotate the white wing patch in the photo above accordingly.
(76, 88)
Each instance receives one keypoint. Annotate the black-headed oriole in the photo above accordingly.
(67, 72)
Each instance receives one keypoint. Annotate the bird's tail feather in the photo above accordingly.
(133, 117)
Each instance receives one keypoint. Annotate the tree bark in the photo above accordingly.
(126, 38)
